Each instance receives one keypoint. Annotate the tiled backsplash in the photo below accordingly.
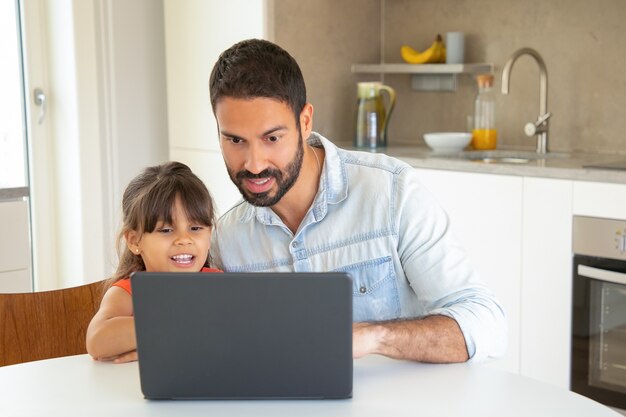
(583, 44)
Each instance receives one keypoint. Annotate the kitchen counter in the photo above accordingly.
(570, 166)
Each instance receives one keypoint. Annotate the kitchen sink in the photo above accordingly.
(507, 157)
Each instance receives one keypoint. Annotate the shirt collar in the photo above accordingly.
(334, 180)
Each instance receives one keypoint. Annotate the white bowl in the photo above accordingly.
(448, 142)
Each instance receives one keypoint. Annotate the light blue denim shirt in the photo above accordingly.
(372, 218)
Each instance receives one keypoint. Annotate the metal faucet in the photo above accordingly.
(540, 127)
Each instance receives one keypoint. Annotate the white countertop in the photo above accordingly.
(562, 166)
(79, 386)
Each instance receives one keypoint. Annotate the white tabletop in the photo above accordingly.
(79, 386)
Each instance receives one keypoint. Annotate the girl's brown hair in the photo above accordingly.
(149, 199)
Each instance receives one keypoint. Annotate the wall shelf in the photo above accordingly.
(426, 77)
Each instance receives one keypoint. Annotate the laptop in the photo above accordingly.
(243, 335)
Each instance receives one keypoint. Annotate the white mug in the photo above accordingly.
(455, 47)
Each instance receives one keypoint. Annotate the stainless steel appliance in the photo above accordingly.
(598, 368)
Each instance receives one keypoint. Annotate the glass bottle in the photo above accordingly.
(484, 133)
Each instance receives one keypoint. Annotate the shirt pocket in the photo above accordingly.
(375, 294)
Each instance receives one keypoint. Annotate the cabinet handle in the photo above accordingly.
(602, 274)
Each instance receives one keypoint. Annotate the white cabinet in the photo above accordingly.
(546, 290)
(599, 200)
(486, 216)
(518, 231)
(15, 270)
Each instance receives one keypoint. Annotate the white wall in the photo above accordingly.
(134, 99)
(196, 32)
(107, 119)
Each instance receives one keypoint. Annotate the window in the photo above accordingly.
(13, 172)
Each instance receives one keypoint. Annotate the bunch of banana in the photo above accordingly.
(433, 54)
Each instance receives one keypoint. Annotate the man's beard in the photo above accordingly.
(284, 180)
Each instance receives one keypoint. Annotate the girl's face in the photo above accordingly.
(182, 246)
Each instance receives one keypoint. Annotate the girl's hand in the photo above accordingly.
(123, 358)
(126, 357)
(111, 333)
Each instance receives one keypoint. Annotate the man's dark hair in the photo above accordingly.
(258, 68)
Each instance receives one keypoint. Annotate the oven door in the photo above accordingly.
(599, 330)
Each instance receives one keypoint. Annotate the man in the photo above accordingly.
(310, 206)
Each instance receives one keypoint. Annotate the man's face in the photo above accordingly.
(262, 147)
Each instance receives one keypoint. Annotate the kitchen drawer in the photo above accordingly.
(599, 200)
(14, 239)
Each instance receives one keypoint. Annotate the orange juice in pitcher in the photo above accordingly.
(484, 133)
(484, 139)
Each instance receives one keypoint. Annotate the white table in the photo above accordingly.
(79, 386)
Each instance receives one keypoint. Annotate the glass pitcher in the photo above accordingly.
(372, 117)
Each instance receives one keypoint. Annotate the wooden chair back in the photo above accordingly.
(48, 324)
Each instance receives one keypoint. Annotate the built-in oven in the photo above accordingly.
(598, 360)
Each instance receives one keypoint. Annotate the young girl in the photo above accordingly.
(167, 219)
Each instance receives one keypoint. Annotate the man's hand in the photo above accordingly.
(365, 339)
(435, 339)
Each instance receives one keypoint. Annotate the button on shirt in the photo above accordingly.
(372, 218)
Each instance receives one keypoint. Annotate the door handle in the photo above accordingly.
(602, 274)
(40, 100)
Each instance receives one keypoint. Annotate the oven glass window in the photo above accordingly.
(607, 359)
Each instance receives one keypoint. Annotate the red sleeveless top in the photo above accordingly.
(125, 282)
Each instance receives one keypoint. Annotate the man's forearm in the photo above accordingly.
(436, 339)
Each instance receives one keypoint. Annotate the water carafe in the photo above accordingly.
(372, 116)
(484, 133)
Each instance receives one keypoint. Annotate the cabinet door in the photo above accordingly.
(546, 280)
(485, 215)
